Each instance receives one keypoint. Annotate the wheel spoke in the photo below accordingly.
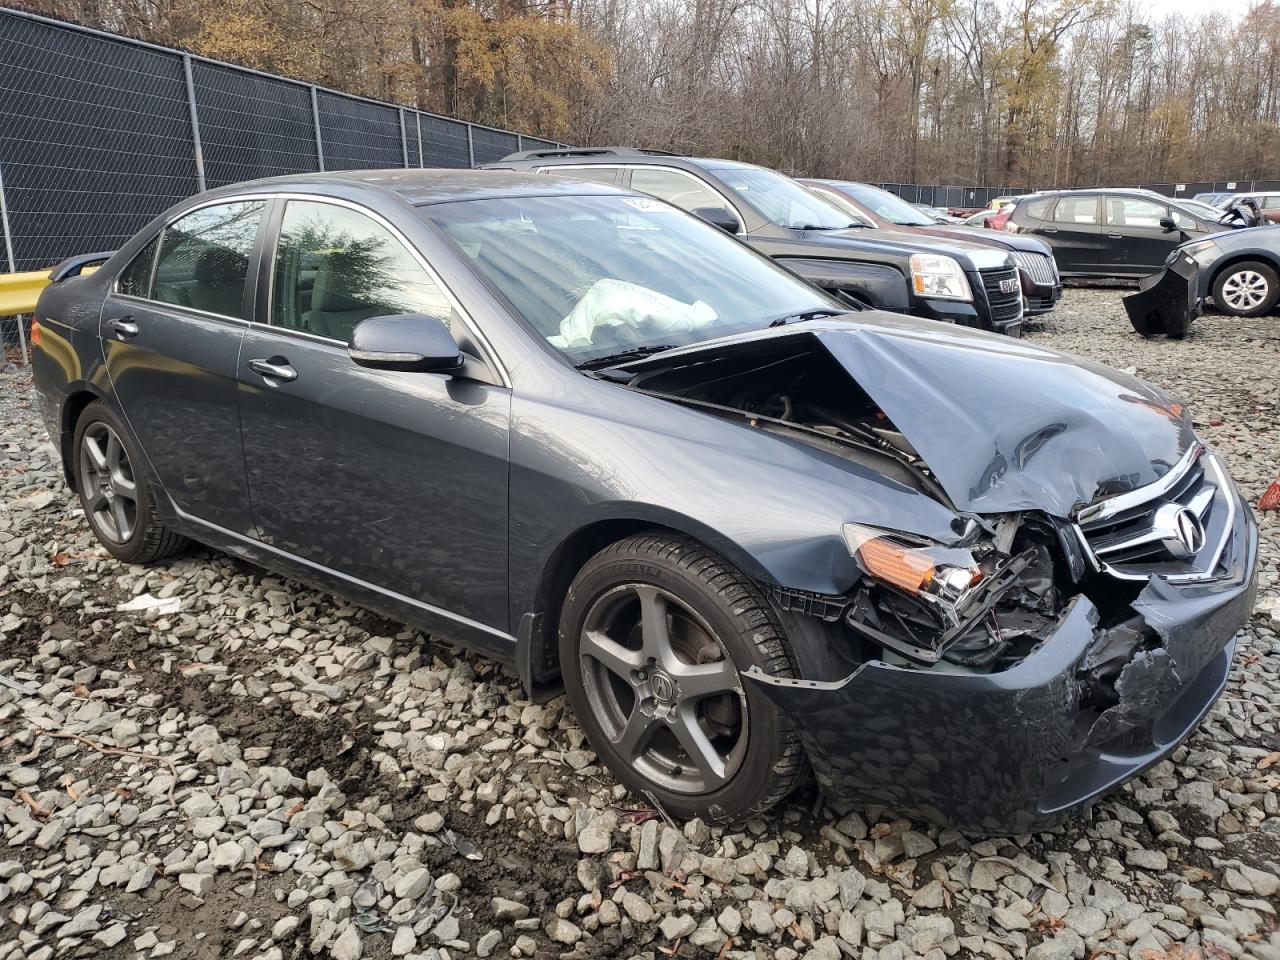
(97, 457)
(125, 486)
(610, 654)
(698, 746)
(97, 502)
(633, 739)
(655, 633)
(121, 517)
(114, 452)
(706, 679)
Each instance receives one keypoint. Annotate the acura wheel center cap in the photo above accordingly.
(662, 687)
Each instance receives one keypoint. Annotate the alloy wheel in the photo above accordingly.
(107, 483)
(664, 689)
(1245, 290)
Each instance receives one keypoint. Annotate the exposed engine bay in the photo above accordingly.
(978, 605)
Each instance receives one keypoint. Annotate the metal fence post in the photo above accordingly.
(315, 122)
(471, 146)
(197, 149)
(404, 142)
(519, 143)
(417, 121)
(13, 265)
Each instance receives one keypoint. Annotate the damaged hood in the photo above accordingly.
(1003, 425)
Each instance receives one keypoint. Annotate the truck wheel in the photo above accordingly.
(1247, 289)
(115, 490)
(654, 632)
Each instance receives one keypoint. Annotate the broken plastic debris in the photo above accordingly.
(464, 846)
(146, 602)
(1271, 498)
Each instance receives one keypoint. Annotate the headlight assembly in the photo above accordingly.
(1203, 251)
(938, 575)
(933, 275)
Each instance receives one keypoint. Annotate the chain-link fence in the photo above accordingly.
(99, 133)
(964, 198)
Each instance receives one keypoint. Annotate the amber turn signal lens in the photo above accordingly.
(908, 570)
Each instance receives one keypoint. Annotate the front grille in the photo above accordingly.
(1004, 306)
(1039, 267)
(1147, 532)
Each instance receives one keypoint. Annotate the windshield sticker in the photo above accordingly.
(646, 204)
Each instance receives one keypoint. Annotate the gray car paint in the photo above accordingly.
(590, 458)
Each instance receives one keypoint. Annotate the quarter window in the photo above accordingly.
(1134, 212)
(1036, 209)
(204, 258)
(677, 189)
(594, 174)
(1076, 210)
(135, 279)
(335, 267)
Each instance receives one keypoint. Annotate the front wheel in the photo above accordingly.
(1247, 289)
(654, 633)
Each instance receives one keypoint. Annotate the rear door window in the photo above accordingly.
(1036, 209)
(204, 258)
(678, 189)
(1076, 210)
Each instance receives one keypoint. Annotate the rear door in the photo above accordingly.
(395, 479)
(1135, 244)
(171, 331)
(1074, 230)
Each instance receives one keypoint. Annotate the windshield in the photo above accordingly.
(605, 275)
(782, 200)
(885, 204)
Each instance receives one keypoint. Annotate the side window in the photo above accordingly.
(1184, 220)
(1271, 203)
(335, 267)
(1036, 209)
(607, 175)
(1134, 212)
(204, 258)
(676, 188)
(1076, 210)
(135, 279)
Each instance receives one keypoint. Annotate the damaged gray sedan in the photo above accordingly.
(745, 530)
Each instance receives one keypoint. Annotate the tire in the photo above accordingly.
(117, 490)
(640, 706)
(1246, 289)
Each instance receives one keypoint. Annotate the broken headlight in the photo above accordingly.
(940, 576)
(939, 277)
(1202, 251)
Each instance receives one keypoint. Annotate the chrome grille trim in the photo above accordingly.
(1210, 488)
(1041, 268)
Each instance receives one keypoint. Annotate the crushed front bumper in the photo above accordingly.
(1017, 751)
(1167, 302)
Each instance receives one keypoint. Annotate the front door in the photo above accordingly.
(171, 332)
(1135, 242)
(395, 479)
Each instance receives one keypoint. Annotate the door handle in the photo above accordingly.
(124, 327)
(1050, 229)
(274, 371)
(1116, 236)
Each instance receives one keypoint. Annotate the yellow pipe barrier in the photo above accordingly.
(20, 291)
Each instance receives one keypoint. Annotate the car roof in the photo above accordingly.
(426, 186)
(619, 156)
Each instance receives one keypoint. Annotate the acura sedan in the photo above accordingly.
(592, 436)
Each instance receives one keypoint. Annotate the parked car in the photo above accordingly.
(1108, 233)
(1212, 199)
(1239, 269)
(941, 279)
(1267, 200)
(1041, 286)
(981, 219)
(1203, 210)
(594, 437)
(937, 214)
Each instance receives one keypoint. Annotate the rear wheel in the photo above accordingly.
(654, 634)
(1247, 289)
(115, 490)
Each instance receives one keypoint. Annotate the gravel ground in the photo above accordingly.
(202, 760)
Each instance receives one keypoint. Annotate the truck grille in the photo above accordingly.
(1176, 528)
(1039, 267)
(1005, 306)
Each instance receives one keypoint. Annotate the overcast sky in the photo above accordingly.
(1231, 8)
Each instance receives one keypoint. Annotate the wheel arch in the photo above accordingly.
(1244, 256)
(78, 398)
(537, 646)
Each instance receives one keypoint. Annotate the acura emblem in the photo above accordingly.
(1008, 286)
(1180, 530)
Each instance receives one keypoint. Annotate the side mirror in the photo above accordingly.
(718, 217)
(405, 341)
(1168, 224)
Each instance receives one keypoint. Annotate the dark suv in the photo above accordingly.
(1107, 233)
(948, 280)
